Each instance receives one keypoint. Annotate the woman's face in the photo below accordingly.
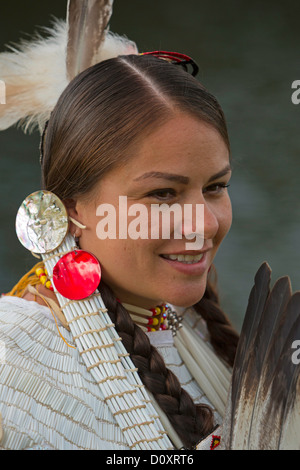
(185, 161)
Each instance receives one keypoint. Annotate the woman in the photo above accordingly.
(143, 128)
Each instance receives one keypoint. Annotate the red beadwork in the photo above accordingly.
(77, 275)
(215, 442)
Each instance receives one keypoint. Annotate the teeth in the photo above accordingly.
(187, 259)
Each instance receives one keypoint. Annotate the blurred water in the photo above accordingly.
(248, 57)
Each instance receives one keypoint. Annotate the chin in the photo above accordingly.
(186, 297)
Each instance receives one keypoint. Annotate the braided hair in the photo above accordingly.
(192, 422)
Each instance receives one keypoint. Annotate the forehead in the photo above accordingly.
(184, 143)
(183, 146)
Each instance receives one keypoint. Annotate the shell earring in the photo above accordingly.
(42, 224)
(77, 274)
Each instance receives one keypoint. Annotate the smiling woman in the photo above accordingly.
(144, 361)
(120, 342)
(198, 153)
(161, 137)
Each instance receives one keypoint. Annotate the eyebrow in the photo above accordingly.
(165, 176)
(179, 178)
(221, 173)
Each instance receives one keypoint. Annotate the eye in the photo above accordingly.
(162, 194)
(216, 188)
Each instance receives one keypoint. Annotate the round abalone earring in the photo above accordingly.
(42, 222)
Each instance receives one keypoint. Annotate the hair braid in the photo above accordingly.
(191, 422)
(223, 336)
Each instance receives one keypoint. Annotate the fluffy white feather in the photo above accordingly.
(35, 74)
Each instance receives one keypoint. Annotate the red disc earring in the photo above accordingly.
(77, 275)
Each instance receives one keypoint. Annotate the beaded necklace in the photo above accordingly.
(159, 318)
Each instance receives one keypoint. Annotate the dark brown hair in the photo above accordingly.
(98, 122)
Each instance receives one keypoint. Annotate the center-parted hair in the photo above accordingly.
(97, 125)
(108, 109)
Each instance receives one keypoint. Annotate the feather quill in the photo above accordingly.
(257, 299)
(266, 332)
(87, 22)
(263, 407)
(289, 436)
(277, 412)
(285, 320)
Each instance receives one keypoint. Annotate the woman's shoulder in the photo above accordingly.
(27, 326)
(23, 306)
(48, 397)
(18, 311)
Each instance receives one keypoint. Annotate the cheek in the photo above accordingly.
(224, 219)
(129, 266)
(122, 259)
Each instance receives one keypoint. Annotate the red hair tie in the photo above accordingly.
(177, 59)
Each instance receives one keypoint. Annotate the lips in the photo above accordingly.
(184, 258)
(190, 263)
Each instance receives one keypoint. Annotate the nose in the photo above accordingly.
(200, 219)
(211, 223)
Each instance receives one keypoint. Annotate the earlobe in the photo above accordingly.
(76, 227)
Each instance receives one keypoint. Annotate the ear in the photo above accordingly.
(70, 204)
(75, 226)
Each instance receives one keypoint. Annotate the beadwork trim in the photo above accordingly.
(215, 442)
(167, 318)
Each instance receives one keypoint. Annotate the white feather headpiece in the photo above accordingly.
(36, 72)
